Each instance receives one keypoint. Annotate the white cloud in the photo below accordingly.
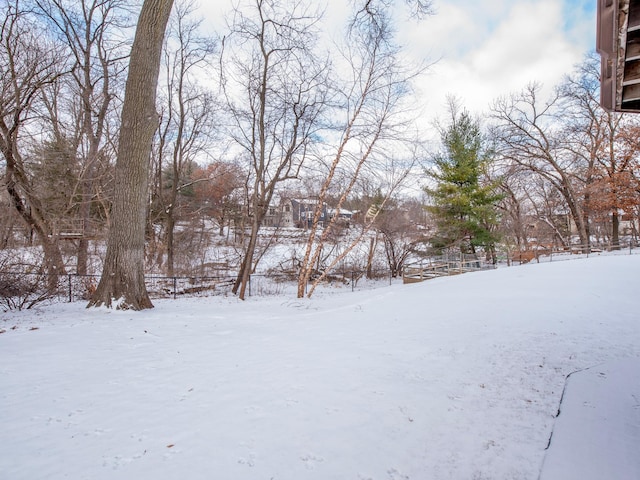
(484, 48)
(500, 53)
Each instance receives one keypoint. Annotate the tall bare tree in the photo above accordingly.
(398, 224)
(275, 87)
(123, 272)
(186, 119)
(91, 32)
(512, 183)
(600, 138)
(29, 63)
(531, 134)
(373, 117)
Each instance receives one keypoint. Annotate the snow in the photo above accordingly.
(454, 378)
(598, 429)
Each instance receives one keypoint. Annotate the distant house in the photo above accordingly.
(342, 213)
(628, 224)
(302, 212)
(344, 216)
(273, 217)
(286, 214)
(299, 213)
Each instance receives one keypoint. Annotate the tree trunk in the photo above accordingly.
(615, 230)
(171, 226)
(87, 199)
(82, 254)
(87, 183)
(578, 218)
(372, 249)
(245, 269)
(123, 272)
(33, 216)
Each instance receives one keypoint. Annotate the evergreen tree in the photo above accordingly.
(464, 205)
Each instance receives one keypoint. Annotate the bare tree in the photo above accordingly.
(398, 225)
(91, 32)
(600, 138)
(28, 63)
(217, 189)
(186, 120)
(531, 134)
(551, 223)
(373, 118)
(123, 272)
(509, 180)
(275, 88)
(574, 147)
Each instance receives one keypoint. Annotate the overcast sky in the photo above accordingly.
(486, 48)
(492, 47)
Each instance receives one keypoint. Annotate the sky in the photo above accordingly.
(488, 48)
(482, 49)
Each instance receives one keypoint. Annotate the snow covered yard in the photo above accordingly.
(454, 378)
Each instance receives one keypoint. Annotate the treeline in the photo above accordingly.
(266, 111)
(537, 172)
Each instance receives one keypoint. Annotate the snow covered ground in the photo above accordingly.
(454, 378)
(597, 433)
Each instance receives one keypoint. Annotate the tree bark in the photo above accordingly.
(372, 250)
(123, 271)
(240, 286)
(32, 215)
(615, 230)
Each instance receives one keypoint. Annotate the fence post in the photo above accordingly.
(249, 282)
(175, 287)
(70, 291)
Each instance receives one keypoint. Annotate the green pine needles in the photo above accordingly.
(464, 200)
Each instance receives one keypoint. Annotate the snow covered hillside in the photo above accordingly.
(454, 378)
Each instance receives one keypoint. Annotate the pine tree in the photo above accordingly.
(464, 205)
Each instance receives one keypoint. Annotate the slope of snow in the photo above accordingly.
(454, 378)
